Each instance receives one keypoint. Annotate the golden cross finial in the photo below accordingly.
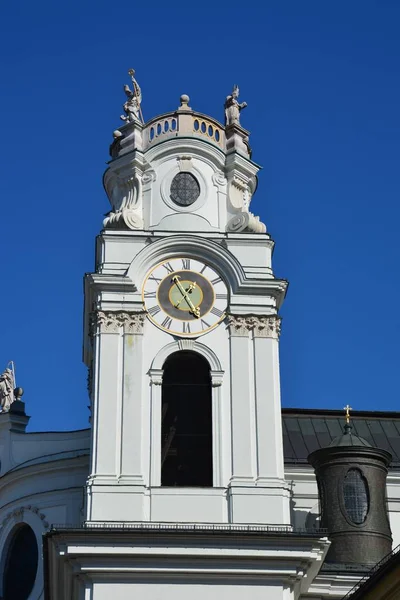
(347, 409)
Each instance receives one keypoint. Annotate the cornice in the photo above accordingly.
(58, 465)
(208, 250)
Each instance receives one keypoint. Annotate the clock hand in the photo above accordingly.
(194, 310)
(178, 284)
(185, 293)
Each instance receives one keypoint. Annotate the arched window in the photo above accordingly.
(356, 496)
(186, 432)
(21, 564)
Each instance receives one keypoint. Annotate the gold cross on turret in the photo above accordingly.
(347, 409)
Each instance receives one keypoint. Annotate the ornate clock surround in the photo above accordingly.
(185, 296)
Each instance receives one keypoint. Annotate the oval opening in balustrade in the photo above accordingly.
(203, 127)
(210, 131)
(159, 128)
(173, 124)
(216, 135)
(151, 133)
(196, 125)
(166, 126)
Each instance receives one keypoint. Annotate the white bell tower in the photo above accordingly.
(182, 330)
(186, 496)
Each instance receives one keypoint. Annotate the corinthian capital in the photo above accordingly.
(113, 322)
(266, 327)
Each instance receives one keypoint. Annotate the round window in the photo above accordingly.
(185, 189)
(21, 564)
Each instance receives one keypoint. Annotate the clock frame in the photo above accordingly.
(185, 296)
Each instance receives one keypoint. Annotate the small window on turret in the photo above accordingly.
(185, 189)
(356, 496)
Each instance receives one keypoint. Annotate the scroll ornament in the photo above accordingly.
(125, 196)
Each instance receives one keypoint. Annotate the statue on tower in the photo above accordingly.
(233, 107)
(131, 107)
(7, 385)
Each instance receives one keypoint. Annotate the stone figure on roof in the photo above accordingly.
(6, 389)
(233, 107)
(132, 105)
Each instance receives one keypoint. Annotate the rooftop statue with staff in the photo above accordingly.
(132, 109)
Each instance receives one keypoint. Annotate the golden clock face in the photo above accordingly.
(185, 297)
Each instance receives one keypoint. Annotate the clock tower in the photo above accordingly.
(182, 330)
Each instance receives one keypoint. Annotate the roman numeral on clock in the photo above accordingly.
(185, 327)
(216, 280)
(154, 310)
(156, 279)
(204, 325)
(221, 296)
(167, 323)
(216, 311)
(169, 267)
(186, 263)
(150, 294)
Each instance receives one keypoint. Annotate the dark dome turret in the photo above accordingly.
(351, 477)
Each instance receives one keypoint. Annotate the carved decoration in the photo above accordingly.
(247, 222)
(185, 163)
(236, 190)
(112, 322)
(186, 344)
(18, 515)
(216, 378)
(219, 179)
(149, 176)
(266, 327)
(156, 376)
(125, 196)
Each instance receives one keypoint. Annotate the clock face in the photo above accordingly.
(185, 297)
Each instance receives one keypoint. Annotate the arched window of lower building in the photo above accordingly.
(21, 564)
(186, 432)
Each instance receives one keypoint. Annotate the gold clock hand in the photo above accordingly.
(194, 310)
(186, 292)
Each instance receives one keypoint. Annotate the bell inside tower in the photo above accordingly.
(186, 432)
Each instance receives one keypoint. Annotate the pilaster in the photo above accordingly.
(117, 467)
(257, 491)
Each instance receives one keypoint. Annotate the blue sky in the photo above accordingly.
(321, 80)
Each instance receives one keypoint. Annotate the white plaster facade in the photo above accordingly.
(140, 539)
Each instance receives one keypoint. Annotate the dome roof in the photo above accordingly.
(348, 439)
